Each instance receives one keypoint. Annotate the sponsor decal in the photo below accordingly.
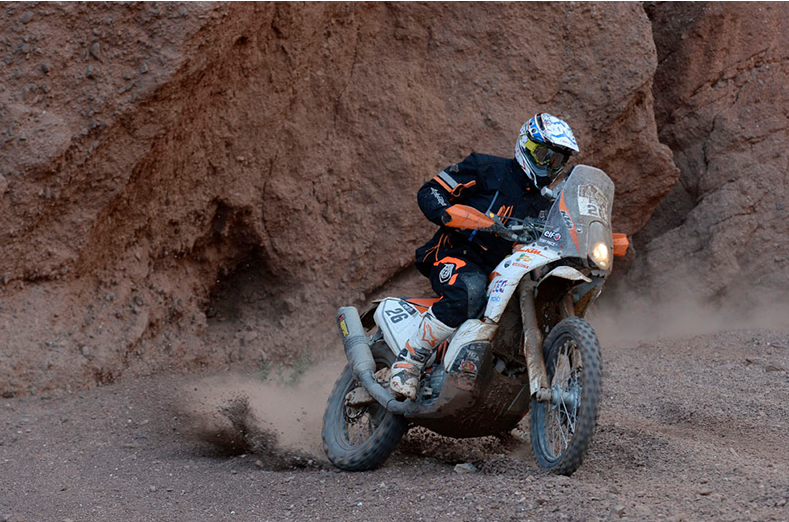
(438, 196)
(446, 273)
(550, 238)
(407, 307)
(465, 367)
(499, 287)
(343, 326)
(553, 235)
(468, 366)
(568, 221)
(473, 355)
(592, 202)
(495, 299)
(521, 265)
(535, 251)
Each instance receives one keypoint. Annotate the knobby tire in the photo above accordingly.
(569, 330)
(385, 436)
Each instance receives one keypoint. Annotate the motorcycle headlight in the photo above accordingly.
(601, 255)
(599, 250)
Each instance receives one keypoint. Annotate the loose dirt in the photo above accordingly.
(692, 428)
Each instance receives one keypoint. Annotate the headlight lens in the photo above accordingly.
(601, 255)
(600, 245)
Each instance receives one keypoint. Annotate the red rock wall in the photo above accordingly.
(722, 105)
(187, 185)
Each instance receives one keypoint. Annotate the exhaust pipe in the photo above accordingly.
(357, 350)
(357, 346)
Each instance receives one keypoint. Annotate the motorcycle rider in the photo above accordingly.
(458, 261)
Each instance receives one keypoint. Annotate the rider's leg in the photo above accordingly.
(461, 285)
(408, 367)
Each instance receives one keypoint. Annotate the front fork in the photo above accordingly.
(539, 387)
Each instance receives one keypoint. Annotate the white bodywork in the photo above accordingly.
(397, 320)
(568, 272)
(578, 220)
(473, 330)
(509, 273)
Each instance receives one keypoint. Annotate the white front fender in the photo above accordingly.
(566, 272)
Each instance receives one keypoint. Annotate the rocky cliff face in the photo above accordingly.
(187, 185)
(722, 106)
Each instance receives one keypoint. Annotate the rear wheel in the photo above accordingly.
(359, 438)
(561, 430)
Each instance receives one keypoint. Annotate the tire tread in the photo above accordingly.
(375, 450)
(589, 347)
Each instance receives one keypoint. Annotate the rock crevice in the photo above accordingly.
(721, 106)
(213, 180)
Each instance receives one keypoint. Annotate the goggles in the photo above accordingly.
(545, 156)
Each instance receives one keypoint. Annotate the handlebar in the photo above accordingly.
(520, 231)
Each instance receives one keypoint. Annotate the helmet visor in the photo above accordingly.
(545, 156)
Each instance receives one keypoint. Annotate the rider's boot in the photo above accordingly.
(407, 369)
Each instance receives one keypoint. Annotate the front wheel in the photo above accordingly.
(561, 430)
(362, 437)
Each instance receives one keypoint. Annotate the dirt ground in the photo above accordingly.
(165, 208)
(692, 428)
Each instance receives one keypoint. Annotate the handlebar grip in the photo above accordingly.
(500, 230)
(462, 216)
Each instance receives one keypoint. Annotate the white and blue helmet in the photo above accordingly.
(544, 145)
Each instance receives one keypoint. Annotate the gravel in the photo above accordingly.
(689, 430)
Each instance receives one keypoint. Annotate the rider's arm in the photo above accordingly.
(450, 186)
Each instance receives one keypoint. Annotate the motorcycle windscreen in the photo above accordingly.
(587, 197)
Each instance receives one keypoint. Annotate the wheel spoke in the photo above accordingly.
(359, 424)
(570, 418)
(562, 428)
(562, 418)
(358, 435)
(369, 425)
(561, 432)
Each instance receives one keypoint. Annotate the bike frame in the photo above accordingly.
(565, 236)
(493, 366)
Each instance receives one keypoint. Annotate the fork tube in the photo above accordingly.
(532, 339)
(567, 306)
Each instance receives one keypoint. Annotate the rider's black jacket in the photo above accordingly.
(489, 184)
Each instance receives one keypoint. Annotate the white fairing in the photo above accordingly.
(578, 220)
(473, 330)
(567, 272)
(509, 273)
(397, 320)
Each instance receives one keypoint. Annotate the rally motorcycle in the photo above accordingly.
(530, 351)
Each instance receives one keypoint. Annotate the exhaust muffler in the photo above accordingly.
(357, 350)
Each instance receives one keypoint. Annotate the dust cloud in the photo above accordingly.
(275, 415)
(628, 316)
